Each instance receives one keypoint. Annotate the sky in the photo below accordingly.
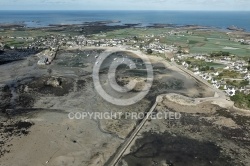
(228, 5)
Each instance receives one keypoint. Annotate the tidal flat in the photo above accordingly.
(35, 102)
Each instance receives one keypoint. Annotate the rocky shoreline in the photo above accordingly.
(40, 97)
(205, 135)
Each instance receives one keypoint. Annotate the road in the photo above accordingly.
(220, 94)
(126, 144)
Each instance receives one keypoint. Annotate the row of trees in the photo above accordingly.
(241, 100)
(238, 84)
(219, 53)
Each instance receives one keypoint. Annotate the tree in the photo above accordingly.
(135, 38)
(49, 71)
(244, 83)
(219, 53)
(206, 68)
(6, 47)
(149, 51)
(141, 46)
(179, 49)
(241, 100)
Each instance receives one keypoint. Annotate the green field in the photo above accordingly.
(198, 41)
(28, 33)
(214, 65)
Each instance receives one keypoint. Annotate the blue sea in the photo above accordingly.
(212, 19)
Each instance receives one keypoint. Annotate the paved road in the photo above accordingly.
(220, 94)
(126, 144)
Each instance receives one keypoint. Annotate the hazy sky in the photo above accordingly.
(125, 5)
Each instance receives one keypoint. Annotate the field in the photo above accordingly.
(23, 38)
(198, 41)
(214, 65)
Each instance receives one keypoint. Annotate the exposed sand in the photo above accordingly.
(54, 139)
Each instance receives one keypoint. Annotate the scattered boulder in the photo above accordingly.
(42, 61)
(54, 82)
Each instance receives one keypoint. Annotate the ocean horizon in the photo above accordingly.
(43, 18)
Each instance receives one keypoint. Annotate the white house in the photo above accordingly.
(197, 73)
(244, 71)
(242, 89)
(231, 91)
(216, 73)
(185, 64)
(207, 77)
(247, 76)
(214, 81)
(196, 69)
(217, 85)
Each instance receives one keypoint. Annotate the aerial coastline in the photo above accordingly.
(200, 72)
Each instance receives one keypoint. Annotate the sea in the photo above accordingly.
(215, 19)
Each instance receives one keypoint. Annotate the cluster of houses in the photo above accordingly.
(158, 47)
(130, 42)
(239, 66)
(221, 84)
(243, 41)
(52, 40)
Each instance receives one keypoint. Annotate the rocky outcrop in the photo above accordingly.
(54, 82)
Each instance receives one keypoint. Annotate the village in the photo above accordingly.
(230, 75)
(225, 71)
